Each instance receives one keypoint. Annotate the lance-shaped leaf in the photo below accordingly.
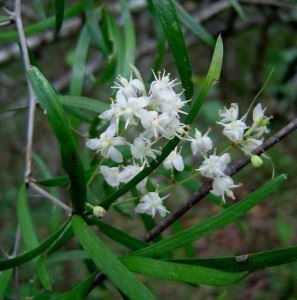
(176, 41)
(57, 119)
(108, 263)
(180, 272)
(212, 224)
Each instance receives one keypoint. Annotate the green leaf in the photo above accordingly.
(180, 272)
(30, 237)
(212, 76)
(249, 262)
(84, 103)
(79, 64)
(79, 291)
(59, 10)
(5, 278)
(108, 263)
(70, 156)
(129, 38)
(119, 236)
(27, 256)
(212, 224)
(238, 9)
(43, 25)
(176, 42)
(192, 25)
(93, 25)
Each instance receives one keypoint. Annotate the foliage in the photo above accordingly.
(93, 234)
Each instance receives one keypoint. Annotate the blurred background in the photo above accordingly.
(259, 37)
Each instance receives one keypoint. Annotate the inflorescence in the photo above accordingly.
(149, 118)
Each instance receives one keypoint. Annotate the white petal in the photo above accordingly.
(179, 163)
(93, 144)
(115, 155)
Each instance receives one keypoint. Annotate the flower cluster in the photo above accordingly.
(147, 117)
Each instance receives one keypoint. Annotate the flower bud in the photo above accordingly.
(257, 161)
(99, 211)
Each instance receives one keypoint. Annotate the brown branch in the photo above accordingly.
(207, 186)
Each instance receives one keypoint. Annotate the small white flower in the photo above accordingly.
(151, 204)
(129, 88)
(249, 144)
(200, 144)
(152, 123)
(234, 130)
(223, 185)
(142, 148)
(105, 144)
(129, 172)
(111, 175)
(130, 107)
(214, 166)
(230, 114)
(174, 160)
(260, 121)
(162, 83)
(171, 126)
(99, 211)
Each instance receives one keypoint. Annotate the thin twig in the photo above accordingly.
(32, 101)
(50, 197)
(207, 186)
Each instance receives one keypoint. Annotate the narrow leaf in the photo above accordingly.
(235, 4)
(59, 10)
(180, 272)
(212, 77)
(79, 63)
(108, 263)
(119, 236)
(79, 291)
(5, 278)
(248, 262)
(176, 42)
(27, 256)
(30, 236)
(129, 38)
(212, 224)
(84, 103)
(93, 25)
(56, 117)
(192, 25)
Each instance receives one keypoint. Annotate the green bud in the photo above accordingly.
(99, 211)
(257, 161)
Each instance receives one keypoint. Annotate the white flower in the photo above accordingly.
(171, 126)
(234, 130)
(111, 175)
(129, 172)
(223, 185)
(152, 123)
(142, 148)
(214, 166)
(174, 160)
(230, 114)
(99, 211)
(130, 107)
(105, 144)
(161, 84)
(129, 88)
(151, 204)
(249, 144)
(260, 121)
(200, 144)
